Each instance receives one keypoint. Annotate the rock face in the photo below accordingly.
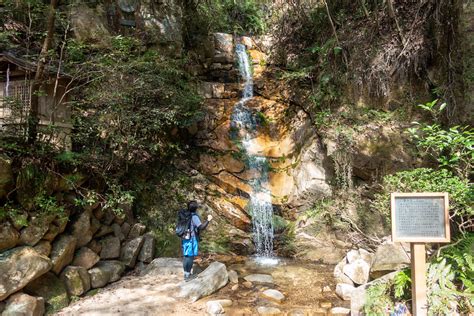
(85, 258)
(18, 267)
(147, 253)
(76, 279)
(62, 252)
(87, 25)
(389, 257)
(207, 282)
(24, 304)
(110, 248)
(164, 266)
(9, 236)
(130, 251)
(52, 289)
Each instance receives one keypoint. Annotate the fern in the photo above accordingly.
(402, 283)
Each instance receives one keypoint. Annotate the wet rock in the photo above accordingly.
(340, 311)
(273, 295)
(130, 251)
(52, 289)
(18, 267)
(207, 282)
(9, 236)
(23, 304)
(389, 257)
(35, 230)
(259, 278)
(214, 308)
(339, 275)
(266, 310)
(357, 271)
(114, 267)
(147, 253)
(358, 295)
(76, 279)
(110, 248)
(164, 266)
(85, 258)
(136, 231)
(233, 276)
(81, 229)
(118, 231)
(62, 252)
(344, 291)
(43, 248)
(99, 277)
(7, 179)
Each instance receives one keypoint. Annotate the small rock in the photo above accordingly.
(326, 289)
(325, 304)
(274, 295)
(344, 291)
(265, 310)
(9, 236)
(235, 287)
(136, 231)
(259, 278)
(76, 279)
(147, 253)
(247, 284)
(85, 258)
(62, 252)
(19, 266)
(233, 276)
(340, 311)
(52, 289)
(214, 308)
(357, 271)
(130, 251)
(366, 256)
(118, 231)
(110, 248)
(43, 248)
(23, 304)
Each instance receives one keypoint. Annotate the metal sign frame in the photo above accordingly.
(427, 195)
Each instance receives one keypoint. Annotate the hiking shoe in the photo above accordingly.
(190, 277)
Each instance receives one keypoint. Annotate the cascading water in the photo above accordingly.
(244, 127)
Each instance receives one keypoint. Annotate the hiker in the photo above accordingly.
(190, 235)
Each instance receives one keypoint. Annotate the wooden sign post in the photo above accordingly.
(420, 218)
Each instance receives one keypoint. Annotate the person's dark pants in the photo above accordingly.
(188, 263)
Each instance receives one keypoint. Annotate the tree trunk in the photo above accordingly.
(33, 119)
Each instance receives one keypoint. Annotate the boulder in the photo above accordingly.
(36, 229)
(389, 257)
(88, 26)
(358, 295)
(164, 266)
(76, 279)
(23, 304)
(62, 252)
(43, 248)
(125, 228)
(85, 258)
(110, 248)
(118, 231)
(207, 282)
(357, 271)
(100, 276)
(103, 230)
(339, 275)
(224, 48)
(81, 229)
(130, 251)
(114, 267)
(266, 310)
(233, 276)
(273, 295)
(9, 236)
(136, 231)
(344, 291)
(52, 289)
(6, 176)
(259, 278)
(19, 266)
(147, 253)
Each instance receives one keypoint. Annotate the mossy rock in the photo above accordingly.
(50, 287)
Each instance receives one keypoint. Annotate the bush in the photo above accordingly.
(461, 194)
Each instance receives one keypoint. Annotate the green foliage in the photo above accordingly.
(48, 205)
(402, 284)
(117, 198)
(442, 293)
(461, 194)
(378, 301)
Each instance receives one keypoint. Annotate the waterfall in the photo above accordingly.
(243, 130)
